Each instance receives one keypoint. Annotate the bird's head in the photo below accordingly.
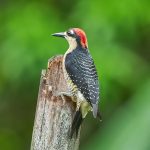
(75, 37)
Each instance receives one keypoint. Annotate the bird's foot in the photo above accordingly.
(63, 94)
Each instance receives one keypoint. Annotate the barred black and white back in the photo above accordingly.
(84, 75)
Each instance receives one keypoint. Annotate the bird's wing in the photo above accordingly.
(81, 69)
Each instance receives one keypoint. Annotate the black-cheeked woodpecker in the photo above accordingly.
(81, 76)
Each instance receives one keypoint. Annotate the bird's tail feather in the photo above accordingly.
(77, 121)
(96, 112)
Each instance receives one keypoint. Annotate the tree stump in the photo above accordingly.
(54, 115)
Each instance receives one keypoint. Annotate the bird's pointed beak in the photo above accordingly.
(61, 34)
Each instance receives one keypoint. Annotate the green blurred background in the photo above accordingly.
(119, 40)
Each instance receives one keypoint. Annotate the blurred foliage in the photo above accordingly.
(119, 40)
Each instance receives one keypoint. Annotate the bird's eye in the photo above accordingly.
(70, 33)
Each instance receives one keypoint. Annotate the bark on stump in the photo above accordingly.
(53, 116)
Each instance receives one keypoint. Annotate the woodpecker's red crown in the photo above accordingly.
(82, 36)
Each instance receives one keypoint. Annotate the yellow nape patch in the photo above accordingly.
(85, 108)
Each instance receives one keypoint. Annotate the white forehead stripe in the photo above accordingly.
(71, 31)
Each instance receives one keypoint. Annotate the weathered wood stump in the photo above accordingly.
(54, 115)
